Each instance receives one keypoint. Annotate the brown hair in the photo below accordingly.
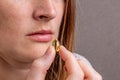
(66, 38)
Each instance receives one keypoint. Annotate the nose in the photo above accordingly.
(45, 10)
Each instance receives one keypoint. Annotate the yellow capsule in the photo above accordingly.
(56, 45)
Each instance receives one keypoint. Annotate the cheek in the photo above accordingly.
(13, 16)
(11, 25)
(60, 14)
(59, 21)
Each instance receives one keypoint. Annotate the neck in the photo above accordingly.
(8, 72)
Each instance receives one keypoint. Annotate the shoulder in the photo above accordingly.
(80, 57)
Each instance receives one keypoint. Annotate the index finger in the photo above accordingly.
(71, 63)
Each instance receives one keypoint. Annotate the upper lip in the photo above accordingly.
(42, 32)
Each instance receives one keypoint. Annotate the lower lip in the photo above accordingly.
(41, 37)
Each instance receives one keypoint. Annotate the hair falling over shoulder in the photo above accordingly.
(56, 71)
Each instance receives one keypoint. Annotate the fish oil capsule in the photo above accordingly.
(56, 45)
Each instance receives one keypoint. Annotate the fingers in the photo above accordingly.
(41, 65)
(89, 72)
(71, 64)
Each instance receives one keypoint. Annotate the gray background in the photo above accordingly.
(98, 35)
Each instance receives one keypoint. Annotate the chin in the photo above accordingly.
(28, 51)
(31, 54)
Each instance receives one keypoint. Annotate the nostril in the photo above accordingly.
(41, 17)
(45, 13)
(45, 17)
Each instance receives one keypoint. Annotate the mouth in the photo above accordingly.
(41, 36)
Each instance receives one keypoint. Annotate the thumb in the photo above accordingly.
(41, 65)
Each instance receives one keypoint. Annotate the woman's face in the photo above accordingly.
(28, 27)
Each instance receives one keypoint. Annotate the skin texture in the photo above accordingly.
(21, 17)
(24, 59)
(78, 69)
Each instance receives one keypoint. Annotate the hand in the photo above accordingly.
(89, 71)
(77, 69)
(41, 65)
